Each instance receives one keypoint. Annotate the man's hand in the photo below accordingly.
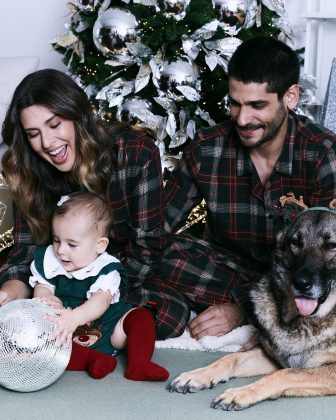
(217, 320)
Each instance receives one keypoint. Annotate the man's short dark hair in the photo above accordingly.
(264, 59)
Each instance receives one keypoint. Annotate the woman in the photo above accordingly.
(55, 148)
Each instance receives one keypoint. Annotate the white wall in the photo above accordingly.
(320, 42)
(26, 26)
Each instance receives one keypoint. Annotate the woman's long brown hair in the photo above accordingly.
(35, 184)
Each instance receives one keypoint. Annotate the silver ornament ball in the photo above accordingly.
(29, 358)
(177, 73)
(232, 12)
(86, 5)
(113, 30)
(174, 8)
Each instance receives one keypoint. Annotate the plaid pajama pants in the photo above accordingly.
(192, 276)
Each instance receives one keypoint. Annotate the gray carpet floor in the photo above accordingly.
(76, 396)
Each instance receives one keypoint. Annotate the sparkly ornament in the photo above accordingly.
(139, 50)
(308, 104)
(211, 60)
(6, 217)
(67, 39)
(113, 30)
(253, 14)
(328, 118)
(197, 215)
(166, 104)
(85, 5)
(127, 111)
(175, 75)
(192, 44)
(174, 8)
(205, 116)
(115, 92)
(142, 78)
(277, 6)
(29, 357)
(308, 88)
(178, 138)
(143, 2)
(226, 46)
(231, 14)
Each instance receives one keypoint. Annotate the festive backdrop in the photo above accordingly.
(161, 64)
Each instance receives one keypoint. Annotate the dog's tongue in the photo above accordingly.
(306, 306)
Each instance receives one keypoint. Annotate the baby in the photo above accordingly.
(84, 285)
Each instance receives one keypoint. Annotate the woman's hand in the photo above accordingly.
(14, 289)
(217, 320)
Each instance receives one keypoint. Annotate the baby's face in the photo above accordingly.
(75, 242)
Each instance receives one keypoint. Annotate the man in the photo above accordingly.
(241, 168)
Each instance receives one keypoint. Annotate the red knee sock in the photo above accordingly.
(97, 364)
(139, 326)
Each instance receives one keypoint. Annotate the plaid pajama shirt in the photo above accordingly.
(243, 215)
(181, 273)
(138, 237)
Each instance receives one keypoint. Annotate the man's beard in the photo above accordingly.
(271, 129)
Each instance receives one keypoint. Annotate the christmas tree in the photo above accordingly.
(161, 64)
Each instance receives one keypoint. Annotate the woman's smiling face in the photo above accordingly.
(50, 136)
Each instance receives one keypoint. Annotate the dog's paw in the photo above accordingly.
(233, 399)
(192, 381)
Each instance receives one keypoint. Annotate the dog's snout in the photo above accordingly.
(303, 280)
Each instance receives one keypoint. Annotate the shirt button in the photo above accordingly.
(270, 216)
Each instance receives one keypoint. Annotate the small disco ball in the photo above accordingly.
(29, 358)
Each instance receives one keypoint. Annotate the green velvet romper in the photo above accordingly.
(72, 293)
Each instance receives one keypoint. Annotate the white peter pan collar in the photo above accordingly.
(53, 267)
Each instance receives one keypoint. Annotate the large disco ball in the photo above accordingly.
(29, 358)
(113, 30)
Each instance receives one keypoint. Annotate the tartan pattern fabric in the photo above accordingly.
(180, 273)
(138, 238)
(243, 215)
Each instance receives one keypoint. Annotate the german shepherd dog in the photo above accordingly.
(295, 312)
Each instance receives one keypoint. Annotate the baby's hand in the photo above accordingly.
(65, 326)
(4, 298)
